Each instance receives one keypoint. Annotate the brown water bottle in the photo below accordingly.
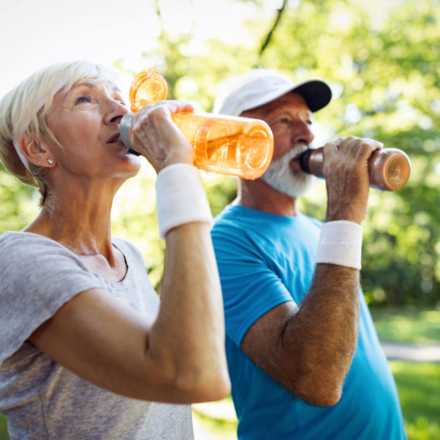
(388, 168)
(222, 144)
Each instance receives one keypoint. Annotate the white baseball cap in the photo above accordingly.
(261, 86)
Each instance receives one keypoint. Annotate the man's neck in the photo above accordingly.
(258, 195)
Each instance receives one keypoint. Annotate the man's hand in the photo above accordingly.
(346, 176)
(157, 138)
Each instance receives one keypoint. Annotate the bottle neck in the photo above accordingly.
(125, 129)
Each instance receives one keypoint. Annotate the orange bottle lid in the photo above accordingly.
(148, 87)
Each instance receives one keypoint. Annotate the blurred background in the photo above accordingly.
(381, 58)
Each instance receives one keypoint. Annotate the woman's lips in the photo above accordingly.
(114, 139)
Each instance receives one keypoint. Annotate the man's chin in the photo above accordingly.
(281, 177)
(293, 186)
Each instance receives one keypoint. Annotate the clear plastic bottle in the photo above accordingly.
(223, 144)
(388, 168)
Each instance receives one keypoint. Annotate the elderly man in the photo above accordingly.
(303, 355)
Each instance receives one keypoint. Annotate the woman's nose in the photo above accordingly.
(115, 112)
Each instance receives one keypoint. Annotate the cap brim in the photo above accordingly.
(316, 93)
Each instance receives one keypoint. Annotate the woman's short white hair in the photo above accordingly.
(24, 109)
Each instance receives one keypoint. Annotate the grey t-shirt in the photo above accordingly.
(42, 399)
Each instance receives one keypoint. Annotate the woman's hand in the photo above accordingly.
(156, 136)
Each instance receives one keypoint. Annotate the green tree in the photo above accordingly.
(18, 202)
(388, 82)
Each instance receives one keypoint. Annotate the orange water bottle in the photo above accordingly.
(224, 144)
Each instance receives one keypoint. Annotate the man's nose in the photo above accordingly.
(302, 133)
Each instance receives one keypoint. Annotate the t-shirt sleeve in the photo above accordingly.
(37, 276)
(250, 287)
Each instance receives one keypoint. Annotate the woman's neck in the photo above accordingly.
(79, 217)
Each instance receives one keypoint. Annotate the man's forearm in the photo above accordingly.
(323, 333)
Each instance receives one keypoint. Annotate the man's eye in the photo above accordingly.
(83, 99)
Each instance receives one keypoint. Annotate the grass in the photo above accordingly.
(419, 392)
(408, 325)
(3, 429)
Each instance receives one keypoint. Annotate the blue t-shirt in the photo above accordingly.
(265, 260)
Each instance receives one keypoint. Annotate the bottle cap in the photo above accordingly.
(148, 87)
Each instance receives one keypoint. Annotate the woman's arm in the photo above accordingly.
(177, 358)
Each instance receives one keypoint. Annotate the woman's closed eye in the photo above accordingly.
(120, 101)
(83, 99)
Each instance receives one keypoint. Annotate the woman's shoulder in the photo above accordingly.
(14, 240)
(26, 249)
(18, 241)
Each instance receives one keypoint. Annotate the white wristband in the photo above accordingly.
(180, 197)
(340, 243)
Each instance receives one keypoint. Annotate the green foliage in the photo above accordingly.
(17, 202)
(407, 325)
(389, 90)
(3, 428)
(221, 192)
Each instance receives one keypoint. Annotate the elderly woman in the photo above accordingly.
(87, 351)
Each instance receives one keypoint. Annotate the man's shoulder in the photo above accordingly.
(237, 223)
(236, 218)
(233, 213)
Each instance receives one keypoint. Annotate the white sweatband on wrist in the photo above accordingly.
(180, 197)
(340, 243)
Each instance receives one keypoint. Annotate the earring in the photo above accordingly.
(50, 161)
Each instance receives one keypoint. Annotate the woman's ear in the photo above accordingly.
(36, 152)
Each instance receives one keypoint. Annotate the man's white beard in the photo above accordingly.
(281, 178)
